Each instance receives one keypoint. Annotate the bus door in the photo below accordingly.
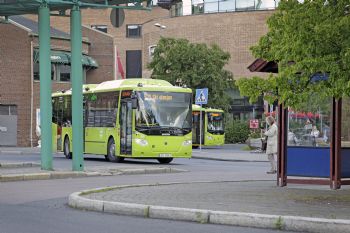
(125, 119)
(196, 127)
(85, 118)
(59, 117)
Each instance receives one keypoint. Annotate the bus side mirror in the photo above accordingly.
(134, 103)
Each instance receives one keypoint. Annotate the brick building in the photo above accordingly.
(133, 35)
(234, 28)
(19, 73)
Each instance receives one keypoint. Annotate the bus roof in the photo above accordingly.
(196, 107)
(127, 84)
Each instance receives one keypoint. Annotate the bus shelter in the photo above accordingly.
(59, 7)
(314, 144)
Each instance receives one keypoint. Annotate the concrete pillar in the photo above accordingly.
(45, 87)
(77, 89)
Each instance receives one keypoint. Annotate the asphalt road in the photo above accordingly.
(41, 206)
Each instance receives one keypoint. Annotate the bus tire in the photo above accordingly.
(164, 160)
(195, 147)
(111, 152)
(66, 148)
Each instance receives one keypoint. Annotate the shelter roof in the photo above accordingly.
(260, 65)
(21, 7)
(34, 27)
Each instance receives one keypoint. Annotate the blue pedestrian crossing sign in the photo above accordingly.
(201, 96)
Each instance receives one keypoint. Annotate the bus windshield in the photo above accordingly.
(163, 113)
(215, 122)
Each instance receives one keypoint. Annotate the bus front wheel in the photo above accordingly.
(111, 152)
(164, 160)
(66, 148)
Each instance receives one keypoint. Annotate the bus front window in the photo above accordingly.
(161, 113)
(215, 122)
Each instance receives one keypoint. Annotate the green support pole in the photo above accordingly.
(77, 89)
(45, 87)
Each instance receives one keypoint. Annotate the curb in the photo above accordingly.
(227, 160)
(71, 174)
(278, 222)
(19, 165)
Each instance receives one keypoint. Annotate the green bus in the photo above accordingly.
(132, 118)
(213, 133)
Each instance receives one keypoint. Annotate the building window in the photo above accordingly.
(176, 9)
(197, 7)
(63, 73)
(102, 28)
(151, 51)
(133, 30)
(36, 72)
(134, 64)
(59, 72)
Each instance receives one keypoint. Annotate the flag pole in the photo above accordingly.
(115, 63)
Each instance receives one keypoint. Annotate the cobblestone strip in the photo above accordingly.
(289, 223)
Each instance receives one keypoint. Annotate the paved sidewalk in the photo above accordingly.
(229, 152)
(244, 203)
(22, 171)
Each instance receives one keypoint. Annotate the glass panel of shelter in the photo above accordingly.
(345, 123)
(310, 127)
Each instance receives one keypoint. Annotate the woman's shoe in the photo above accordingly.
(271, 172)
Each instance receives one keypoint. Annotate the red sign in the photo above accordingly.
(254, 124)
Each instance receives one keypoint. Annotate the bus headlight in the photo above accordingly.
(187, 143)
(209, 137)
(141, 142)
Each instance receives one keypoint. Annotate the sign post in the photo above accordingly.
(200, 99)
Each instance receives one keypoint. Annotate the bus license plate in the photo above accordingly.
(164, 155)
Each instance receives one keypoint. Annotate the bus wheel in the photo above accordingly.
(111, 152)
(165, 160)
(195, 147)
(66, 148)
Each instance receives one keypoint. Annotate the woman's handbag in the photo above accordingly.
(264, 144)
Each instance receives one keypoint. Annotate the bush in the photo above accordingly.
(255, 134)
(236, 131)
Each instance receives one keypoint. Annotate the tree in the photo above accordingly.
(196, 66)
(305, 39)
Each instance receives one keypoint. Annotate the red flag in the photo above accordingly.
(120, 67)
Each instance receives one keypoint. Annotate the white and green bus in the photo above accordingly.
(213, 133)
(132, 118)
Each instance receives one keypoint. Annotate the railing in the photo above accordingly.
(215, 6)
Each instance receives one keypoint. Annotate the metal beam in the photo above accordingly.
(45, 87)
(77, 88)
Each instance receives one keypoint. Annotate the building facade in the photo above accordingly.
(235, 27)
(122, 42)
(19, 73)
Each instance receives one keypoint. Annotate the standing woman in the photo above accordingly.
(271, 148)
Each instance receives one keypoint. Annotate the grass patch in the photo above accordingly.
(98, 191)
(279, 223)
(247, 148)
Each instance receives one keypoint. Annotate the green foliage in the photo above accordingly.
(255, 87)
(196, 66)
(255, 133)
(236, 131)
(279, 225)
(306, 38)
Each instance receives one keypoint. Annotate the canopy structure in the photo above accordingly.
(21, 7)
(45, 8)
(63, 57)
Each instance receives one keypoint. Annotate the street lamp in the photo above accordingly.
(160, 25)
